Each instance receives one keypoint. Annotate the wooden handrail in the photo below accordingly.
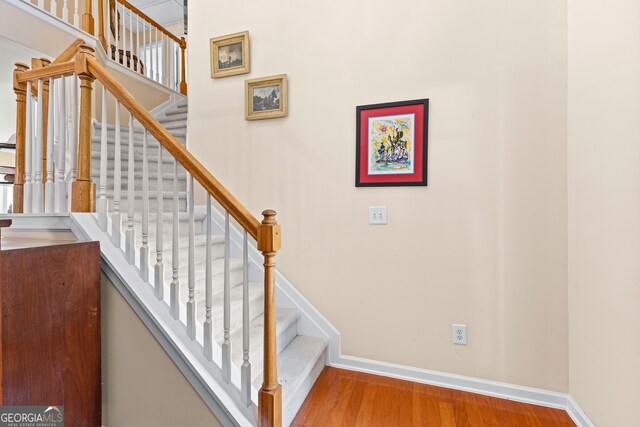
(179, 152)
(62, 69)
(69, 53)
(149, 20)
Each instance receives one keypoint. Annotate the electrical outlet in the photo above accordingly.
(459, 334)
(377, 215)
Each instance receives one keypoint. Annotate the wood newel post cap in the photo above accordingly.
(269, 232)
(183, 43)
(17, 86)
(81, 66)
(86, 49)
(45, 62)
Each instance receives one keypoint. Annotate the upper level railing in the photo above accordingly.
(128, 37)
(53, 125)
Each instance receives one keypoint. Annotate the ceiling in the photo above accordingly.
(162, 11)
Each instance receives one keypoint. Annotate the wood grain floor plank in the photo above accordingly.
(349, 398)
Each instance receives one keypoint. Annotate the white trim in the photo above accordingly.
(34, 10)
(577, 414)
(517, 393)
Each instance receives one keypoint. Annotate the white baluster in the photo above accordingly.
(48, 186)
(73, 134)
(65, 11)
(137, 68)
(124, 36)
(53, 7)
(159, 267)
(76, 16)
(144, 49)
(103, 202)
(116, 217)
(131, 39)
(130, 234)
(245, 370)
(208, 322)
(226, 344)
(157, 49)
(191, 303)
(37, 154)
(144, 249)
(116, 42)
(61, 147)
(175, 253)
(27, 197)
(41, 4)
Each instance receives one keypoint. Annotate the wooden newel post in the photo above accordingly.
(183, 79)
(270, 395)
(82, 189)
(87, 18)
(20, 90)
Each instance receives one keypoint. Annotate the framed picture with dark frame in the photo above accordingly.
(391, 144)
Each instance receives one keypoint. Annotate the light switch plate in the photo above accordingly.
(377, 215)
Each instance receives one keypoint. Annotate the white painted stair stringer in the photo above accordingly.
(206, 377)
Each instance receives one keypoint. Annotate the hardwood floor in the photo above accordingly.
(347, 398)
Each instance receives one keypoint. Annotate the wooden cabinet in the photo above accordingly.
(50, 329)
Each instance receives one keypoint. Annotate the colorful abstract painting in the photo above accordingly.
(391, 144)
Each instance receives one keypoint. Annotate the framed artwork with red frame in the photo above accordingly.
(391, 144)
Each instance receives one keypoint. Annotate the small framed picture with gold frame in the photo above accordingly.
(230, 55)
(266, 97)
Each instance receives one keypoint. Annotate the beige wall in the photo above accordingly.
(142, 387)
(484, 244)
(604, 209)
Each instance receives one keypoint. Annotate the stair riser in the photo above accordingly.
(199, 253)
(167, 165)
(217, 282)
(167, 205)
(178, 116)
(167, 184)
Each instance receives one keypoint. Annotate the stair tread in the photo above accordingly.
(285, 318)
(295, 362)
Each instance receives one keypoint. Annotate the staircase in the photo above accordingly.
(300, 358)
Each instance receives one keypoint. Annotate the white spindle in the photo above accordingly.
(226, 344)
(61, 147)
(116, 217)
(144, 249)
(245, 370)
(103, 203)
(124, 36)
(48, 186)
(116, 42)
(137, 67)
(159, 267)
(175, 253)
(143, 59)
(27, 197)
(191, 304)
(208, 322)
(131, 40)
(76, 16)
(157, 49)
(41, 4)
(65, 11)
(73, 134)
(130, 234)
(53, 6)
(37, 154)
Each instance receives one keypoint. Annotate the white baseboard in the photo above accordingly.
(577, 414)
(534, 396)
